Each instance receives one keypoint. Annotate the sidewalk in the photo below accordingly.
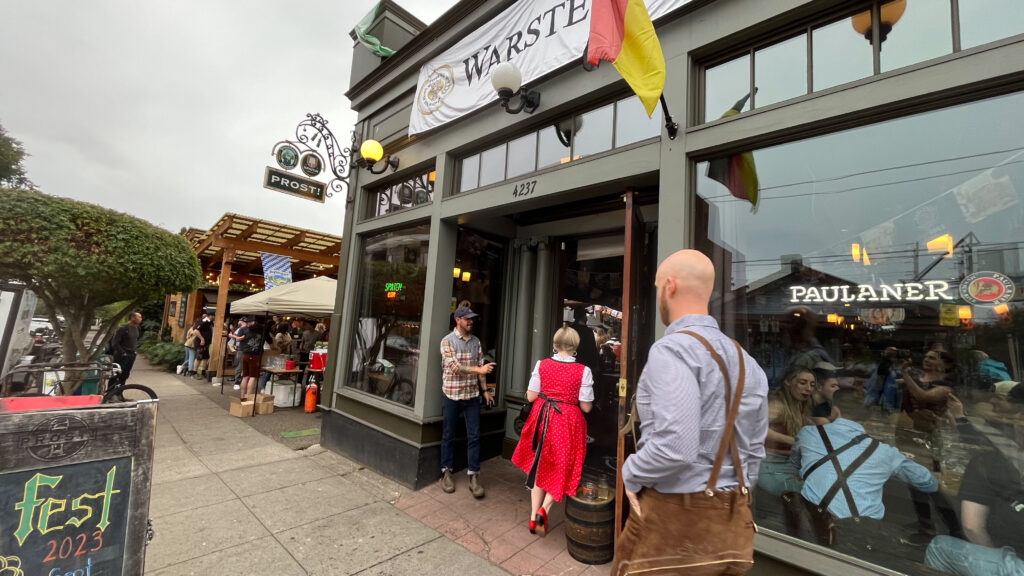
(228, 500)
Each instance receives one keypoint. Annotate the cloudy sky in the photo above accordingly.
(168, 110)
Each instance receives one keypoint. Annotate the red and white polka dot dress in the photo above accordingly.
(564, 444)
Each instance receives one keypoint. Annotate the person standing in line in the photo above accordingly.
(191, 341)
(699, 396)
(205, 331)
(554, 439)
(236, 365)
(309, 338)
(251, 344)
(464, 380)
(123, 345)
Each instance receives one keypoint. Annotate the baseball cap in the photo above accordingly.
(828, 366)
(1003, 388)
(243, 319)
(465, 312)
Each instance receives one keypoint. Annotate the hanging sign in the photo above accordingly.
(929, 290)
(279, 181)
(948, 315)
(987, 289)
(540, 36)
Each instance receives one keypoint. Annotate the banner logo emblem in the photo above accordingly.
(311, 165)
(439, 84)
(287, 157)
(987, 289)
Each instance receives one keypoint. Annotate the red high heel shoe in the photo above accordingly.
(532, 525)
(540, 522)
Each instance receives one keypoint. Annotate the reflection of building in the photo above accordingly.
(854, 145)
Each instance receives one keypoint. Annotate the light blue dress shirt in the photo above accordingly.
(867, 481)
(680, 401)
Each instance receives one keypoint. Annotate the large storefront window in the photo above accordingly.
(875, 285)
(387, 339)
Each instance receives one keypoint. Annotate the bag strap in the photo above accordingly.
(732, 408)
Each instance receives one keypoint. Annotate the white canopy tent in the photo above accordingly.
(313, 298)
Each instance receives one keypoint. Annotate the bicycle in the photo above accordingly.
(66, 378)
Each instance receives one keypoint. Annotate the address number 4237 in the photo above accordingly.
(524, 189)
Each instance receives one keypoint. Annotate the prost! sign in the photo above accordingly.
(280, 181)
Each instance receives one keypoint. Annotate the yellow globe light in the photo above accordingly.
(372, 151)
(890, 13)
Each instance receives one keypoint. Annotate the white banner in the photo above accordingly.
(538, 35)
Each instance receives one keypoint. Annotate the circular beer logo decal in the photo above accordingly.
(311, 164)
(438, 85)
(287, 157)
(987, 289)
(57, 438)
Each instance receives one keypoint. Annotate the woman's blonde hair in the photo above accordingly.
(566, 339)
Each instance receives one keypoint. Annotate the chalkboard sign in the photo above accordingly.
(74, 490)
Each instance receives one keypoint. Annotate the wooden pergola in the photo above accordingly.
(229, 253)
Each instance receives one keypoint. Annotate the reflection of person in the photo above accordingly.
(800, 346)
(464, 380)
(822, 394)
(554, 438)
(992, 509)
(843, 509)
(789, 410)
(924, 402)
(684, 501)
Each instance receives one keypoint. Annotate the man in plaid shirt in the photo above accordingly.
(464, 380)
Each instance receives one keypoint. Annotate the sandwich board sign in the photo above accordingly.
(74, 490)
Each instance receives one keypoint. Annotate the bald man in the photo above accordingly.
(683, 513)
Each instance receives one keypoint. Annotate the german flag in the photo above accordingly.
(621, 32)
(737, 172)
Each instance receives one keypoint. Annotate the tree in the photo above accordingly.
(78, 257)
(12, 173)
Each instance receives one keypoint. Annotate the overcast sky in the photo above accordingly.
(168, 110)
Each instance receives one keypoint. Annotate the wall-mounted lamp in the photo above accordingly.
(456, 272)
(370, 153)
(465, 276)
(568, 128)
(507, 81)
(889, 14)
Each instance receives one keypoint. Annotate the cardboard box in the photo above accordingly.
(244, 407)
(240, 408)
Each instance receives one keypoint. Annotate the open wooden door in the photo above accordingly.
(637, 293)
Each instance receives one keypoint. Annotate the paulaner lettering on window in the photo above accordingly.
(927, 291)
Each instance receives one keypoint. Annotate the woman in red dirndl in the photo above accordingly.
(554, 438)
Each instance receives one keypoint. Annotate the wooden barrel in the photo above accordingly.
(589, 529)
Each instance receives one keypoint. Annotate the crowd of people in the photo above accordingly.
(252, 347)
(829, 444)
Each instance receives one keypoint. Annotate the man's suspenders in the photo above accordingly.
(841, 475)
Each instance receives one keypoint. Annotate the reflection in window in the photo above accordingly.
(983, 21)
(862, 272)
(389, 309)
(552, 151)
(470, 173)
(492, 165)
(595, 132)
(922, 32)
(840, 55)
(480, 261)
(724, 85)
(780, 71)
(406, 194)
(522, 155)
(632, 124)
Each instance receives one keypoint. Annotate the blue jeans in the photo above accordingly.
(190, 356)
(450, 411)
(966, 559)
(778, 475)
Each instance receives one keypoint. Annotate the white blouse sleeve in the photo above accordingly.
(587, 387)
(535, 379)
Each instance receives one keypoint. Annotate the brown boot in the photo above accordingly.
(475, 487)
(447, 482)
